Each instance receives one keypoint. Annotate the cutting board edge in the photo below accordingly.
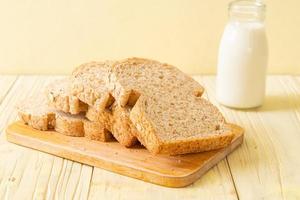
(145, 175)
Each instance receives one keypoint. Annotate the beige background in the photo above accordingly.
(54, 36)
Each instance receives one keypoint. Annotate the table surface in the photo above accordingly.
(267, 165)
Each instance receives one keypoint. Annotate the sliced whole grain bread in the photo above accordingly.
(60, 97)
(36, 113)
(168, 112)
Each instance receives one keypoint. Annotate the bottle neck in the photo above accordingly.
(247, 11)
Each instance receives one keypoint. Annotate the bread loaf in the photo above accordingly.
(135, 99)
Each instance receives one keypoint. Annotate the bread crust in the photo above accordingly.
(208, 143)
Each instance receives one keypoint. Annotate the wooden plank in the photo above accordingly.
(267, 164)
(6, 83)
(171, 171)
(25, 173)
(215, 184)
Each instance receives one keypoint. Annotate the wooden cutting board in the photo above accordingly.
(137, 162)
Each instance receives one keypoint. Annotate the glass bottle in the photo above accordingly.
(243, 56)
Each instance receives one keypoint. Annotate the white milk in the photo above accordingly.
(242, 61)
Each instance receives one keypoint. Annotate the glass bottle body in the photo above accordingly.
(243, 57)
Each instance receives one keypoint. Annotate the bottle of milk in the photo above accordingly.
(243, 56)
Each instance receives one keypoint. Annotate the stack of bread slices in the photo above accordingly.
(131, 100)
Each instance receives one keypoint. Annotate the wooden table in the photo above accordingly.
(266, 166)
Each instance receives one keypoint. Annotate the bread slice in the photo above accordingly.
(138, 76)
(36, 113)
(91, 84)
(122, 128)
(70, 125)
(60, 97)
(104, 117)
(180, 128)
(117, 121)
(96, 131)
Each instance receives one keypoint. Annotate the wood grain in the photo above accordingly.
(171, 171)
